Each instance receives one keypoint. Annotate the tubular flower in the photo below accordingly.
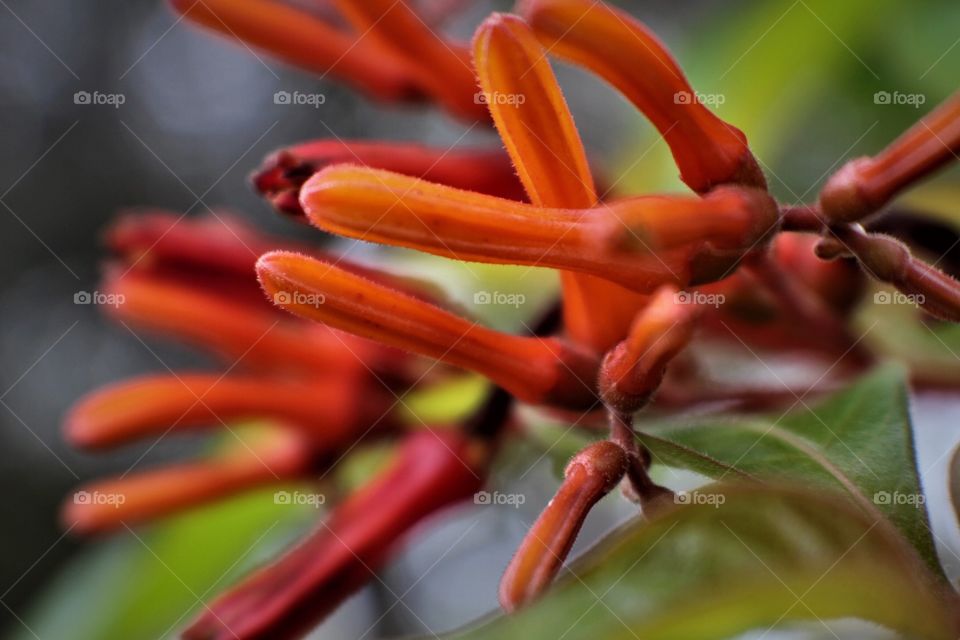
(283, 600)
(541, 138)
(632, 371)
(385, 49)
(707, 150)
(542, 371)
(193, 281)
(638, 275)
(284, 172)
(639, 243)
(889, 260)
(589, 476)
(864, 185)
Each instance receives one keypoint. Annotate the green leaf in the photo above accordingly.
(149, 584)
(859, 441)
(930, 348)
(756, 557)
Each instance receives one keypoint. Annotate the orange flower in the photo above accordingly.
(589, 476)
(284, 172)
(388, 51)
(284, 600)
(194, 281)
(622, 51)
(864, 185)
(538, 370)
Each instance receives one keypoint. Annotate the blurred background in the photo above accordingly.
(193, 114)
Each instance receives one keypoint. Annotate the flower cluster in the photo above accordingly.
(639, 275)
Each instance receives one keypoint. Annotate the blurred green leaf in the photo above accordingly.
(929, 347)
(444, 402)
(799, 79)
(743, 557)
(146, 583)
(858, 441)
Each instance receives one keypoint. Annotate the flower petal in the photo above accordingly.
(241, 333)
(536, 370)
(281, 601)
(444, 66)
(639, 243)
(591, 474)
(620, 49)
(531, 114)
(535, 124)
(297, 37)
(170, 241)
(284, 172)
(864, 185)
(327, 410)
(105, 505)
(633, 370)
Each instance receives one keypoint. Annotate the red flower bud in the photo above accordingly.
(632, 370)
(284, 172)
(589, 476)
(864, 185)
(280, 601)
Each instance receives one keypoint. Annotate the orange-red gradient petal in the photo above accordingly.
(542, 371)
(639, 243)
(299, 38)
(632, 371)
(864, 185)
(591, 474)
(243, 334)
(110, 504)
(444, 66)
(484, 171)
(326, 410)
(535, 124)
(620, 49)
(283, 600)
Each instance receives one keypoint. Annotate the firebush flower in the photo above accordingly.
(189, 280)
(482, 171)
(640, 275)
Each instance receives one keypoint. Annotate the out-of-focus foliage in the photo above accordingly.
(146, 583)
(744, 557)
